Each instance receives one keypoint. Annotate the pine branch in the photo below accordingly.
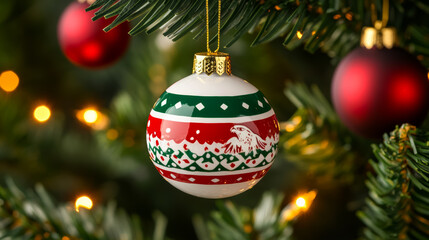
(333, 26)
(314, 137)
(267, 221)
(398, 203)
(131, 106)
(34, 215)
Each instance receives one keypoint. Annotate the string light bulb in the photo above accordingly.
(9, 81)
(300, 202)
(300, 205)
(84, 202)
(42, 113)
(305, 200)
(90, 115)
(93, 118)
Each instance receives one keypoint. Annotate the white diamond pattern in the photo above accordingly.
(224, 106)
(260, 103)
(215, 180)
(178, 105)
(245, 105)
(200, 106)
(164, 102)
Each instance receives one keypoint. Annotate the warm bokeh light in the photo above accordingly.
(292, 124)
(349, 16)
(248, 228)
(84, 202)
(299, 34)
(300, 202)
(289, 127)
(9, 81)
(93, 118)
(129, 141)
(42, 113)
(304, 201)
(90, 116)
(112, 134)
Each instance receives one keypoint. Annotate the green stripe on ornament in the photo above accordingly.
(212, 106)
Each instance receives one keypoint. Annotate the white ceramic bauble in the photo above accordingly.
(212, 136)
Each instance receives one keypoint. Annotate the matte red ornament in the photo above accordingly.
(84, 42)
(374, 90)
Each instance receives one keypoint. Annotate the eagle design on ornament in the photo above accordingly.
(246, 141)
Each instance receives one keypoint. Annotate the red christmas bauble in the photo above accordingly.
(375, 89)
(84, 42)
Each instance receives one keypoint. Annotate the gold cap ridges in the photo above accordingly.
(214, 62)
(380, 37)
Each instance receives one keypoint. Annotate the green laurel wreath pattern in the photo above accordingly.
(209, 157)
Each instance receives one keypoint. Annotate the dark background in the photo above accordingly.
(70, 159)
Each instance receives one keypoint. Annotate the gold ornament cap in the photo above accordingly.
(212, 62)
(378, 36)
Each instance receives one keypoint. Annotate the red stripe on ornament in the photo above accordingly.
(208, 132)
(212, 180)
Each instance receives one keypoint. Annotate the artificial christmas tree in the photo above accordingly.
(299, 42)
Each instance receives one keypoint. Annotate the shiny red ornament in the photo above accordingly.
(374, 90)
(84, 42)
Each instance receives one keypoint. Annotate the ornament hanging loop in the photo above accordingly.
(379, 36)
(212, 61)
(208, 27)
(379, 24)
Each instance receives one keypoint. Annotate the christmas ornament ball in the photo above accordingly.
(212, 136)
(375, 89)
(84, 42)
